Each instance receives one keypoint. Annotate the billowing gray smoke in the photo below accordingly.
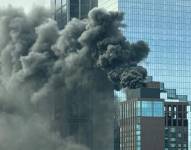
(56, 87)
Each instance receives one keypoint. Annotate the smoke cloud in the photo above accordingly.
(56, 86)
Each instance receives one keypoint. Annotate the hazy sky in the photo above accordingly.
(26, 4)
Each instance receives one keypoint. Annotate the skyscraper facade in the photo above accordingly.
(151, 120)
(142, 120)
(111, 5)
(189, 126)
(176, 125)
(59, 11)
(165, 26)
(65, 10)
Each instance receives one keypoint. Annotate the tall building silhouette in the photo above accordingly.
(86, 115)
(65, 10)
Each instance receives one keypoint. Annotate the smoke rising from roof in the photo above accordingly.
(48, 75)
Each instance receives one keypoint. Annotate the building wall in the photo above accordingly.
(140, 115)
(189, 126)
(152, 128)
(87, 114)
(80, 8)
(64, 10)
(108, 4)
(60, 11)
(176, 125)
(165, 26)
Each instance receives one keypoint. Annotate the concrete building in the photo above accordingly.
(65, 10)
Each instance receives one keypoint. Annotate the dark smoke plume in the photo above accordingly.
(49, 79)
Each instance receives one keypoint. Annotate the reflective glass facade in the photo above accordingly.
(150, 109)
(165, 25)
(120, 95)
(189, 126)
(59, 11)
(65, 10)
(108, 4)
(80, 8)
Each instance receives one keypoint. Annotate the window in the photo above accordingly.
(169, 108)
(150, 109)
(172, 145)
(138, 108)
(146, 108)
(172, 139)
(172, 130)
(179, 135)
(138, 138)
(158, 109)
(138, 127)
(138, 132)
(138, 148)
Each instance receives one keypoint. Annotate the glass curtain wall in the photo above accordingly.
(165, 26)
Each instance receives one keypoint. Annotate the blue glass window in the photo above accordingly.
(158, 108)
(138, 127)
(147, 108)
(138, 132)
(138, 138)
(138, 108)
(150, 108)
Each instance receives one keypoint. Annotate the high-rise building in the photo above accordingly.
(111, 5)
(176, 125)
(150, 119)
(176, 120)
(86, 115)
(65, 10)
(189, 126)
(142, 120)
(165, 25)
(59, 11)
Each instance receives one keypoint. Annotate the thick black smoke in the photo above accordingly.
(59, 84)
(111, 52)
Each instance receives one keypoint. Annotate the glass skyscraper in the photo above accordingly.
(65, 10)
(166, 26)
